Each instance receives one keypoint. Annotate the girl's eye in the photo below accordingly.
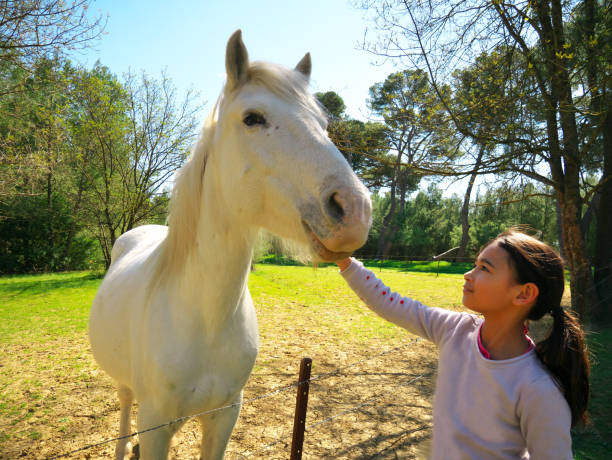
(254, 118)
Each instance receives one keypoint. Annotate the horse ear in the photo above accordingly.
(305, 65)
(236, 60)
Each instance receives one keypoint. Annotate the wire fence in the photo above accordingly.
(311, 427)
(337, 371)
(446, 256)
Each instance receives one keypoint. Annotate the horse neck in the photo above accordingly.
(216, 273)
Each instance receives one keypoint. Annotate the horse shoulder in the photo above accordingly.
(139, 238)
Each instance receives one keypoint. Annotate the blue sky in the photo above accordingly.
(187, 38)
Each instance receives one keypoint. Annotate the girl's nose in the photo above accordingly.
(467, 275)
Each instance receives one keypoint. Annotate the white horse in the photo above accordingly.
(173, 322)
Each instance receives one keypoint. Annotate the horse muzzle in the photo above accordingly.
(345, 221)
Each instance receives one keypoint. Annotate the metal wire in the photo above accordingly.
(210, 411)
(266, 447)
(333, 417)
(179, 420)
(335, 372)
(365, 403)
(321, 377)
(378, 355)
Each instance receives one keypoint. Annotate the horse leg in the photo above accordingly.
(154, 444)
(216, 430)
(126, 398)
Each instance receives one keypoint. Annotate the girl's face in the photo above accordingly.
(490, 286)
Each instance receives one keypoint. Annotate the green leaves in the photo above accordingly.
(100, 147)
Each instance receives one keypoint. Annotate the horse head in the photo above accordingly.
(278, 169)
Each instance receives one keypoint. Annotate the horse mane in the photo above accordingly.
(185, 203)
(187, 191)
(287, 84)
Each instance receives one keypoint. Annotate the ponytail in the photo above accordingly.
(564, 353)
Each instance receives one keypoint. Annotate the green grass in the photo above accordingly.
(324, 302)
(39, 309)
(436, 267)
(595, 441)
(402, 265)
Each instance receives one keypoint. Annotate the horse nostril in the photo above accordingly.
(334, 207)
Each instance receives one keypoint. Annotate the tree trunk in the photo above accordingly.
(465, 223)
(382, 246)
(106, 250)
(109, 236)
(584, 297)
(394, 224)
(75, 213)
(600, 110)
(50, 252)
(49, 209)
(591, 211)
(559, 220)
(565, 159)
(603, 240)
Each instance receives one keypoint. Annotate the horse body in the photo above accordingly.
(173, 321)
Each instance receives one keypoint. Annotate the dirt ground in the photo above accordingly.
(363, 403)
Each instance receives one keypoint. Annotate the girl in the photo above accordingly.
(498, 395)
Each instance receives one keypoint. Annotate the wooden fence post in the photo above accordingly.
(301, 403)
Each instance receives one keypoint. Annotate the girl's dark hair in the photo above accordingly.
(564, 351)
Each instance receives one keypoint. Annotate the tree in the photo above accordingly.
(589, 34)
(333, 103)
(485, 103)
(99, 126)
(31, 30)
(442, 35)
(431, 223)
(85, 156)
(131, 137)
(39, 216)
(503, 206)
(34, 32)
(429, 226)
(415, 128)
(363, 144)
(161, 131)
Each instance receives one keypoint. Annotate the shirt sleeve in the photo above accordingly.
(430, 323)
(545, 420)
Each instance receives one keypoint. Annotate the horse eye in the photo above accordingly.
(254, 118)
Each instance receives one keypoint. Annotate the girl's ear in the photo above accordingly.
(527, 295)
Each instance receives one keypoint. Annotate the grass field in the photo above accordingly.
(54, 398)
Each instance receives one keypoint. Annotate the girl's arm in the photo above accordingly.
(430, 323)
(343, 264)
(545, 421)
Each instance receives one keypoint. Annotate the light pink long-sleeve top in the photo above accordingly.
(483, 409)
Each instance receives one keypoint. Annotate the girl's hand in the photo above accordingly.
(344, 263)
